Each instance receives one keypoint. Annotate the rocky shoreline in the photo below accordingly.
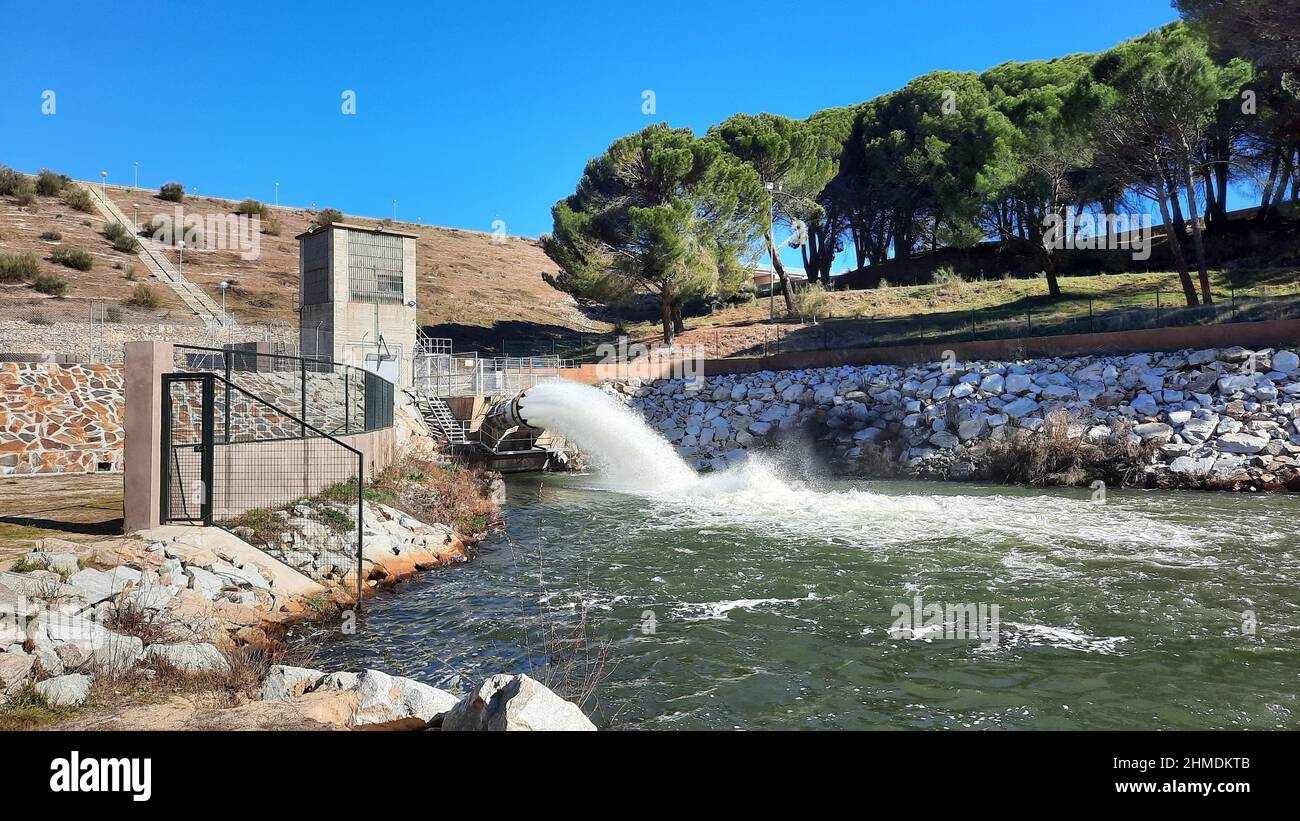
(1216, 418)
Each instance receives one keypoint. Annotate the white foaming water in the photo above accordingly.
(633, 458)
(628, 453)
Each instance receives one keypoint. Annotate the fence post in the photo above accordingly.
(1091, 329)
(1157, 307)
(361, 496)
(1233, 292)
(302, 404)
(1029, 322)
(347, 402)
(225, 391)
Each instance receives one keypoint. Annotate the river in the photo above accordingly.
(755, 600)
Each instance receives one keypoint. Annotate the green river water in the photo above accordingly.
(759, 603)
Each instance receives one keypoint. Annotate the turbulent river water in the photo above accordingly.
(755, 599)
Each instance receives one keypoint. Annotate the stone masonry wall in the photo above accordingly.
(60, 418)
(1215, 418)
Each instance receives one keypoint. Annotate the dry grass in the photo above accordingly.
(451, 494)
(1059, 454)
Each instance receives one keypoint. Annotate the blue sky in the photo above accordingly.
(471, 113)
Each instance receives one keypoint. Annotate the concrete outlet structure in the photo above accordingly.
(356, 298)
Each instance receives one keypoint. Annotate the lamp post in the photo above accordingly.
(224, 286)
(103, 181)
(277, 194)
(394, 209)
(135, 185)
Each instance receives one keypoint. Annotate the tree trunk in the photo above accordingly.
(1198, 242)
(1180, 224)
(679, 326)
(1175, 247)
(786, 289)
(665, 305)
(1266, 198)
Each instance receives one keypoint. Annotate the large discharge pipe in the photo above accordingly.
(509, 412)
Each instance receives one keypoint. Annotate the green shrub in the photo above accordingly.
(114, 313)
(121, 237)
(52, 236)
(25, 194)
(327, 216)
(172, 192)
(49, 183)
(157, 230)
(50, 284)
(271, 227)
(18, 267)
(251, 207)
(73, 258)
(143, 297)
(10, 180)
(78, 199)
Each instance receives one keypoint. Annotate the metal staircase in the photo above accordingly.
(440, 418)
(150, 253)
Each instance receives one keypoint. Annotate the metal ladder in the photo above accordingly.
(440, 418)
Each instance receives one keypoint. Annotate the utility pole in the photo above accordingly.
(135, 186)
(277, 194)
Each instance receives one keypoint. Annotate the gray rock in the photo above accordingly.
(65, 691)
(209, 584)
(387, 698)
(15, 669)
(512, 703)
(1145, 404)
(1021, 407)
(1285, 361)
(189, 658)
(1017, 382)
(284, 682)
(1154, 430)
(1240, 443)
(94, 586)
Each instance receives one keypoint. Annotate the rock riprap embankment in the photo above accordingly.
(1216, 417)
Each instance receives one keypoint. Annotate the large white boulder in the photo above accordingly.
(387, 698)
(506, 702)
(65, 691)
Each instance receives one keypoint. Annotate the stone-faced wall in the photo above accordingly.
(60, 418)
(1215, 418)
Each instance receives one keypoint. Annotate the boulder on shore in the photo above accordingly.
(506, 702)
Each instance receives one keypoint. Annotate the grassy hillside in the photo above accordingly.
(47, 226)
(462, 276)
(466, 278)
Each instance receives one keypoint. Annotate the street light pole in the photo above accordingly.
(224, 286)
(103, 180)
(135, 185)
(277, 194)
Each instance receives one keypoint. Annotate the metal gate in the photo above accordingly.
(187, 447)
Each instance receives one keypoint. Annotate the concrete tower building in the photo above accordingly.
(356, 298)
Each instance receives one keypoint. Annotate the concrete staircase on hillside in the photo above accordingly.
(150, 253)
(440, 418)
